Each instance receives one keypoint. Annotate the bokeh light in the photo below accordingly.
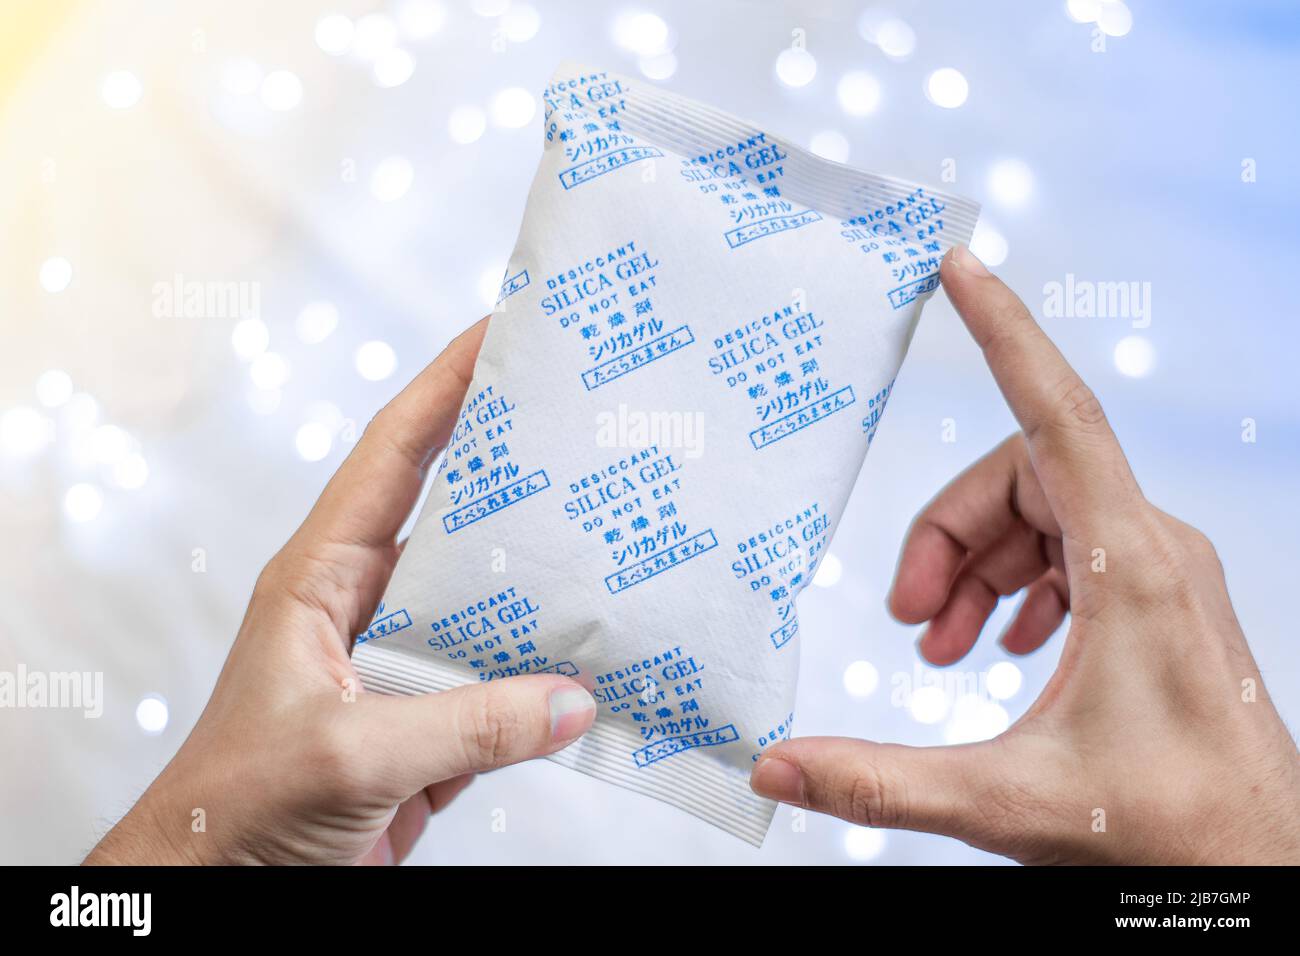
(1135, 356)
(393, 67)
(1003, 680)
(861, 679)
(644, 34)
(55, 274)
(858, 93)
(947, 87)
(989, 245)
(829, 571)
(53, 388)
(24, 432)
(830, 144)
(513, 107)
(795, 67)
(83, 502)
(1011, 182)
(281, 90)
(392, 178)
(928, 704)
(152, 714)
(334, 34)
(864, 844)
(121, 89)
(375, 361)
(250, 338)
(269, 370)
(466, 124)
(313, 441)
(316, 321)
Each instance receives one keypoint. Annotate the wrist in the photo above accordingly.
(155, 832)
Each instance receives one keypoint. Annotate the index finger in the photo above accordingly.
(1075, 455)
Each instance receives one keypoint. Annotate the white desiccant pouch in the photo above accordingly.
(697, 334)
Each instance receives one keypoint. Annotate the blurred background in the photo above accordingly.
(234, 229)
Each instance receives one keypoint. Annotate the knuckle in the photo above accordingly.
(868, 799)
(493, 729)
(1078, 405)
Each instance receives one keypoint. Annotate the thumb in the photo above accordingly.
(433, 737)
(933, 789)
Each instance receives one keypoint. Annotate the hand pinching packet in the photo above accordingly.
(696, 336)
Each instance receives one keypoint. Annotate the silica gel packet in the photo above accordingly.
(695, 339)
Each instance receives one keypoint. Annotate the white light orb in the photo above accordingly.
(829, 571)
(830, 144)
(55, 274)
(325, 413)
(375, 361)
(121, 89)
(375, 33)
(420, 19)
(1083, 11)
(520, 23)
(151, 715)
(861, 679)
(24, 432)
(334, 34)
(316, 321)
(249, 338)
(896, 39)
(795, 67)
(392, 178)
(513, 107)
(1115, 18)
(1003, 680)
(929, 704)
(53, 388)
(466, 124)
(989, 246)
(281, 90)
(131, 471)
(269, 370)
(313, 441)
(110, 444)
(644, 34)
(83, 502)
(1011, 182)
(863, 844)
(858, 93)
(975, 719)
(658, 67)
(393, 68)
(1135, 356)
(947, 87)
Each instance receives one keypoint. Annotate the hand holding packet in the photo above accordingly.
(697, 333)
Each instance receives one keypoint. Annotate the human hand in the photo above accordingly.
(1155, 740)
(290, 762)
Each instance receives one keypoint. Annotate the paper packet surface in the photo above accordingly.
(697, 334)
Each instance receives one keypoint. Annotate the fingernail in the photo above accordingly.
(572, 711)
(965, 260)
(778, 779)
